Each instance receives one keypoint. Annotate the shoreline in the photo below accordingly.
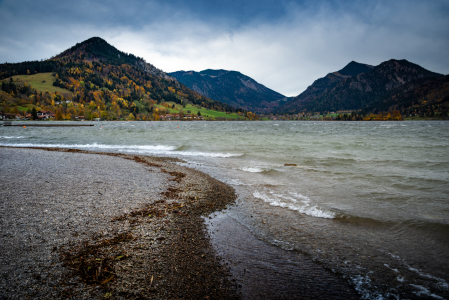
(159, 249)
(168, 246)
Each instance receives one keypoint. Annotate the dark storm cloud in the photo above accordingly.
(282, 44)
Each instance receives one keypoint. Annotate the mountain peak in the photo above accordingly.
(405, 65)
(354, 68)
(92, 40)
(95, 39)
(97, 48)
(214, 73)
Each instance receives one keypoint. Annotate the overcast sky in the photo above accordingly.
(284, 45)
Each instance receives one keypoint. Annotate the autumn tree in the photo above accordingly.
(58, 114)
(104, 114)
(71, 111)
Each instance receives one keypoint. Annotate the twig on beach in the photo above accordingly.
(151, 282)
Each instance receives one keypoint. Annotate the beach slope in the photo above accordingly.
(95, 225)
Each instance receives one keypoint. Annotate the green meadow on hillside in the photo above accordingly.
(41, 82)
(206, 113)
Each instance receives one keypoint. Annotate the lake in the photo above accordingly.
(368, 200)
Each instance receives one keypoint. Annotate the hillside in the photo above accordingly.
(323, 85)
(100, 81)
(232, 88)
(425, 97)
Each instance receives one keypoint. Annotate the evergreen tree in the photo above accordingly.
(34, 114)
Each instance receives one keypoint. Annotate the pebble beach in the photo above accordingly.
(91, 226)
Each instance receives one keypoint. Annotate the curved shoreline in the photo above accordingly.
(146, 238)
(158, 249)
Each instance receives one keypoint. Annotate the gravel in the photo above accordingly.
(82, 225)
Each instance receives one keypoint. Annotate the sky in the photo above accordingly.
(284, 45)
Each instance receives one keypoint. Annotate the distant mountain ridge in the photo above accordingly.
(121, 84)
(232, 88)
(356, 86)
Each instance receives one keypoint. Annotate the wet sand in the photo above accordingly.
(265, 271)
(75, 224)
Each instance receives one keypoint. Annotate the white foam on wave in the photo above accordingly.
(423, 291)
(191, 153)
(252, 169)
(98, 146)
(284, 245)
(440, 282)
(300, 203)
(12, 137)
(141, 149)
(299, 196)
(362, 285)
(208, 154)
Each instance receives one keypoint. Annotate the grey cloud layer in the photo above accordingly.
(284, 45)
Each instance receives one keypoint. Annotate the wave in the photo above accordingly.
(141, 149)
(363, 285)
(12, 137)
(97, 146)
(208, 154)
(298, 203)
(439, 283)
(252, 169)
(234, 181)
(264, 171)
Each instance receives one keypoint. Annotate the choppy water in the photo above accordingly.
(368, 200)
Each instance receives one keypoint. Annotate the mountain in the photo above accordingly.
(231, 87)
(97, 49)
(356, 86)
(423, 96)
(108, 82)
(323, 85)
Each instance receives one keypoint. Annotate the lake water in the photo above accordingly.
(368, 200)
